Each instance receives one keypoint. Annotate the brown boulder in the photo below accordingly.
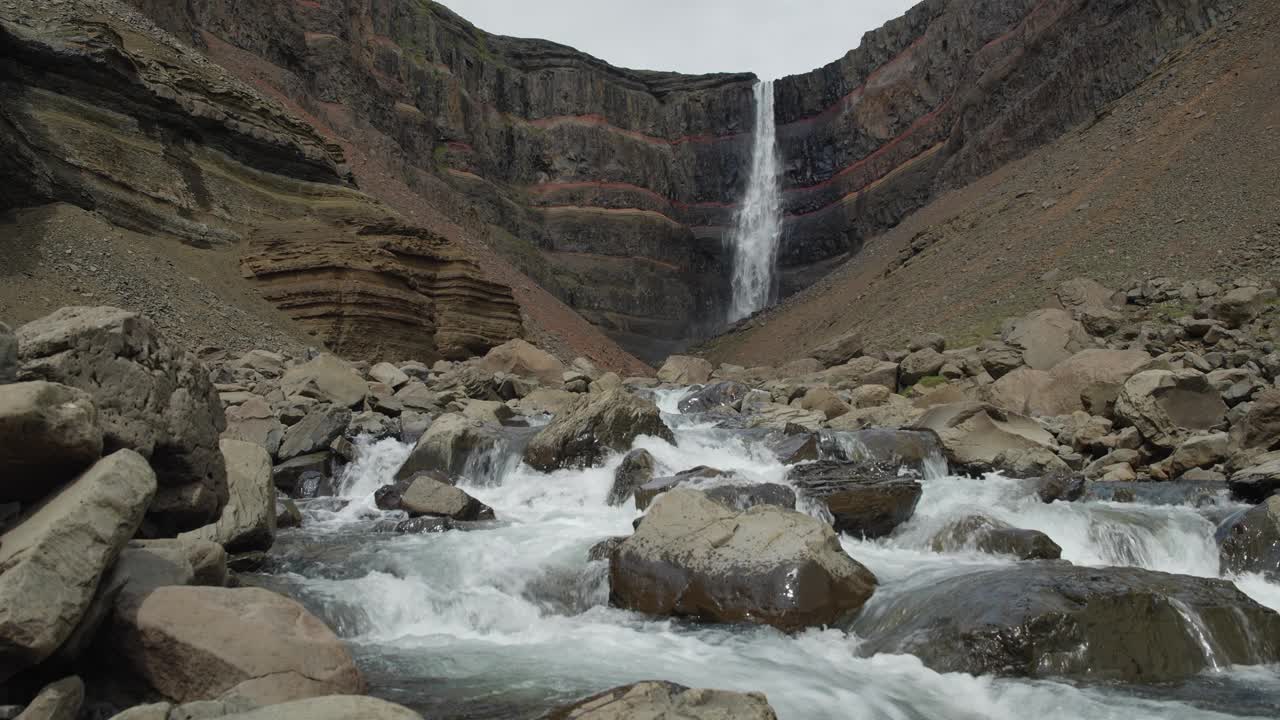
(866, 499)
(518, 357)
(426, 495)
(1260, 427)
(977, 437)
(326, 378)
(840, 350)
(595, 425)
(1167, 406)
(685, 370)
(1046, 337)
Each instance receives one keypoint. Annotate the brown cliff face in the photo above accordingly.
(103, 112)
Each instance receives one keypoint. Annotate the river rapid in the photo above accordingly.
(510, 619)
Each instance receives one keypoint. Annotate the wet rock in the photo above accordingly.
(667, 700)
(740, 497)
(1198, 493)
(778, 416)
(1250, 541)
(840, 350)
(413, 425)
(289, 475)
(718, 397)
(48, 434)
(1065, 485)
(984, 534)
(426, 495)
(248, 520)
(203, 643)
(601, 551)
(979, 438)
(1259, 480)
(518, 357)
(424, 525)
(287, 513)
(1051, 619)
(646, 493)
(636, 470)
(1167, 406)
(58, 701)
(793, 447)
(693, 556)
(54, 557)
(866, 499)
(1046, 338)
(150, 397)
(253, 421)
(685, 370)
(328, 379)
(448, 444)
(314, 432)
(595, 425)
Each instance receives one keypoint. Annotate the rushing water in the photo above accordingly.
(510, 619)
(758, 227)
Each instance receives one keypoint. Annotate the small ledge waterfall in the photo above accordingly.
(758, 227)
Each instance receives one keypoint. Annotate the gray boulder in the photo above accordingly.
(447, 446)
(1259, 480)
(685, 370)
(329, 707)
(984, 534)
(1167, 406)
(52, 560)
(314, 432)
(328, 379)
(426, 495)
(980, 438)
(389, 375)
(866, 499)
(693, 556)
(595, 425)
(840, 350)
(48, 434)
(1251, 541)
(253, 421)
(722, 397)
(248, 521)
(151, 398)
(1046, 338)
(636, 469)
(667, 700)
(1260, 427)
(919, 365)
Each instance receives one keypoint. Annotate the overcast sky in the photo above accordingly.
(771, 38)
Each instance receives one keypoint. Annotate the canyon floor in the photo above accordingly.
(1175, 179)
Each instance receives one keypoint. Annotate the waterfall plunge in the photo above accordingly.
(759, 223)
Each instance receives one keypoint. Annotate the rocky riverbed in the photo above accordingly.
(1076, 518)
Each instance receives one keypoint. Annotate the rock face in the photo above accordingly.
(866, 499)
(200, 643)
(667, 700)
(248, 521)
(212, 162)
(150, 398)
(593, 426)
(1047, 619)
(1168, 406)
(48, 433)
(52, 560)
(692, 556)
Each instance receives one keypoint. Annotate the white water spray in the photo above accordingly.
(759, 223)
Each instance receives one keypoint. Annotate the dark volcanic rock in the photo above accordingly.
(1048, 619)
(866, 499)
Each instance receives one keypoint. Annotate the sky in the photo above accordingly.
(771, 38)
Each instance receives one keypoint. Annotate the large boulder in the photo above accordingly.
(636, 469)
(518, 357)
(919, 365)
(693, 556)
(389, 375)
(1167, 406)
(840, 350)
(685, 370)
(1260, 427)
(977, 438)
(248, 521)
(1259, 480)
(657, 700)
(253, 421)
(1250, 542)
(425, 495)
(328, 379)
(859, 372)
(48, 433)
(866, 499)
(314, 432)
(52, 560)
(1238, 306)
(1052, 619)
(984, 534)
(595, 425)
(150, 398)
(823, 400)
(204, 643)
(1046, 337)
(1094, 375)
(448, 445)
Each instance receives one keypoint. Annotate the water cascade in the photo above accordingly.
(758, 226)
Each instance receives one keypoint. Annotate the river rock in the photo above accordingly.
(1200, 451)
(1095, 375)
(1259, 480)
(636, 470)
(1046, 338)
(326, 378)
(518, 357)
(685, 370)
(595, 425)
(977, 437)
(150, 398)
(1061, 484)
(203, 643)
(448, 444)
(287, 513)
(314, 432)
(920, 364)
(1260, 427)
(1238, 306)
(1052, 619)
(1167, 406)
(248, 521)
(57, 701)
(693, 556)
(840, 350)
(1250, 541)
(984, 534)
(721, 397)
(8, 355)
(778, 416)
(866, 499)
(52, 560)
(426, 495)
(861, 371)
(253, 421)
(823, 400)
(48, 434)
(659, 700)
(289, 476)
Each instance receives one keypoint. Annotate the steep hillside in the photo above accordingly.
(1174, 179)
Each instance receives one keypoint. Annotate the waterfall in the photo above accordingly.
(758, 226)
